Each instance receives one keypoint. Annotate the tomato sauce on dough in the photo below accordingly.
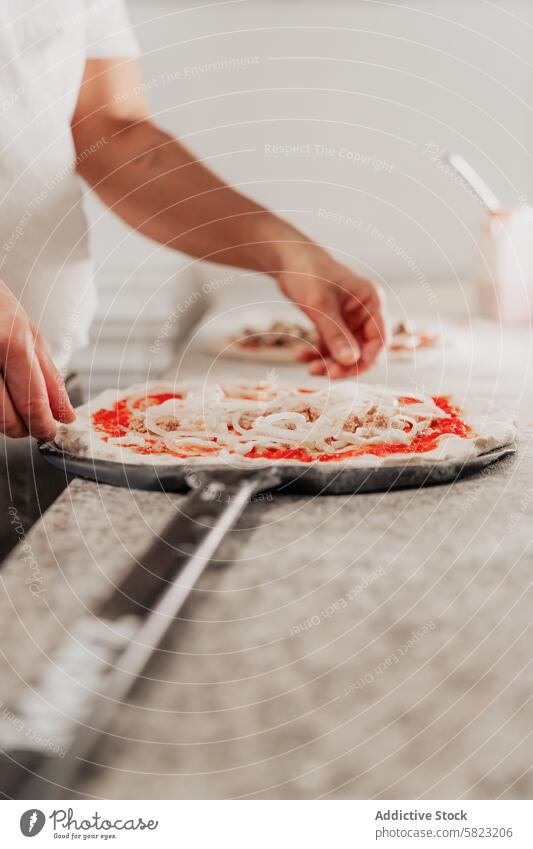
(450, 423)
(115, 422)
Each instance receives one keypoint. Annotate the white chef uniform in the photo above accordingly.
(44, 244)
(44, 241)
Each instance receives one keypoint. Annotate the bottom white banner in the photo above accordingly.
(264, 824)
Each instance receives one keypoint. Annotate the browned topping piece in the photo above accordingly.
(137, 424)
(247, 420)
(311, 413)
(402, 328)
(376, 417)
(352, 423)
(158, 445)
(167, 423)
(280, 334)
(256, 393)
(250, 337)
(380, 420)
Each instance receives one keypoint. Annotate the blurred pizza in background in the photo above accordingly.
(276, 339)
(406, 338)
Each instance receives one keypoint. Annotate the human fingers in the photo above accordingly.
(57, 394)
(25, 381)
(10, 423)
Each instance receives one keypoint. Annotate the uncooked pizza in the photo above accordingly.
(406, 339)
(344, 422)
(278, 341)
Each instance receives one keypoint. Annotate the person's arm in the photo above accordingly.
(156, 185)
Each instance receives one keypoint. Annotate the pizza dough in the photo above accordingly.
(275, 338)
(406, 340)
(273, 341)
(345, 422)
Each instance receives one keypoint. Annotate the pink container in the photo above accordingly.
(505, 265)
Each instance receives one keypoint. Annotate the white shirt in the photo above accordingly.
(44, 244)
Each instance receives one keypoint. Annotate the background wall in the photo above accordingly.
(331, 113)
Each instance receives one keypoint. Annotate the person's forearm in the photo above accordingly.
(157, 186)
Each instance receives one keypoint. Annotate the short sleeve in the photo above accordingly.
(107, 30)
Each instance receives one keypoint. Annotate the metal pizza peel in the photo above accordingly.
(124, 634)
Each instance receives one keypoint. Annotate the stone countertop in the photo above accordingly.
(376, 645)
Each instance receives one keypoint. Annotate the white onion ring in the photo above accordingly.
(207, 417)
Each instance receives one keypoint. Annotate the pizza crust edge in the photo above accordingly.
(80, 440)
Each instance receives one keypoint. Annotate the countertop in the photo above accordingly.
(376, 645)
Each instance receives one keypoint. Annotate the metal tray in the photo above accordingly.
(316, 478)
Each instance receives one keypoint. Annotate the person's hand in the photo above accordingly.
(32, 391)
(346, 310)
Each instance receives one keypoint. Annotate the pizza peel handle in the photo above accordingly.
(176, 559)
(132, 623)
(102, 658)
(189, 540)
